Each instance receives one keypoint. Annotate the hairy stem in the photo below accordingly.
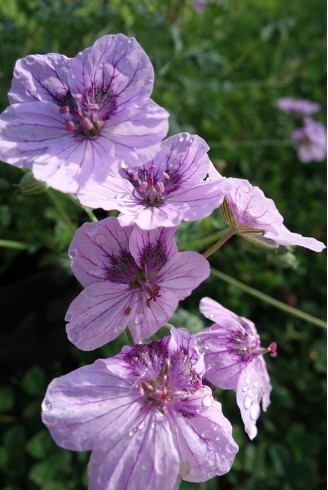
(220, 242)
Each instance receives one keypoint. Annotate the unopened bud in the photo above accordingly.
(29, 186)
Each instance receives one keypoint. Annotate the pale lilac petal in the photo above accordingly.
(26, 130)
(81, 407)
(167, 215)
(39, 77)
(143, 458)
(152, 248)
(286, 237)
(93, 247)
(201, 199)
(183, 273)
(113, 193)
(99, 314)
(204, 441)
(298, 106)
(253, 387)
(215, 312)
(116, 61)
(187, 153)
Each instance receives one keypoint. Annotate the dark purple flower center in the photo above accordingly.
(152, 185)
(163, 379)
(124, 270)
(247, 345)
(84, 115)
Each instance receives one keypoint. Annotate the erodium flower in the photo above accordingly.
(131, 277)
(299, 107)
(234, 360)
(166, 190)
(256, 218)
(310, 141)
(73, 118)
(145, 415)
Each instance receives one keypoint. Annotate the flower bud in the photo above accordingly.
(29, 186)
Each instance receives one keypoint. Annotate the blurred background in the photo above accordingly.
(218, 71)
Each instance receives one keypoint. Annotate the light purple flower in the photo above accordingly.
(131, 277)
(298, 106)
(145, 415)
(166, 190)
(234, 360)
(256, 218)
(71, 118)
(311, 141)
(199, 5)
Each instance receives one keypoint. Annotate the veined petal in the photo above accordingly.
(113, 193)
(151, 249)
(93, 247)
(99, 314)
(167, 215)
(253, 387)
(204, 442)
(286, 237)
(144, 458)
(39, 77)
(183, 273)
(117, 62)
(81, 408)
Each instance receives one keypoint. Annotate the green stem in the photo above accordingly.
(92, 217)
(129, 337)
(220, 242)
(53, 198)
(202, 242)
(271, 301)
(16, 245)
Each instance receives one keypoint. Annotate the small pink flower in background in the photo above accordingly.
(311, 141)
(299, 107)
(256, 218)
(131, 277)
(145, 415)
(168, 189)
(73, 118)
(234, 360)
(199, 5)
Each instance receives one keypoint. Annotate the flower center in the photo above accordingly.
(152, 185)
(84, 115)
(247, 346)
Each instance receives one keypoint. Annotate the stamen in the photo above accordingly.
(272, 348)
(127, 311)
(160, 187)
(133, 175)
(143, 186)
(64, 110)
(80, 114)
(93, 107)
(86, 124)
(166, 175)
(69, 126)
(152, 167)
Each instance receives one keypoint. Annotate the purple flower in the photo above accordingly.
(145, 415)
(73, 118)
(310, 141)
(199, 5)
(131, 278)
(234, 360)
(298, 106)
(256, 218)
(166, 190)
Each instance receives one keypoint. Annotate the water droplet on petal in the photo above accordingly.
(46, 406)
(211, 316)
(248, 402)
(100, 238)
(247, 380)
(142, 425)
(255, 411)
(207, 401)
(138, 318)
(72, 254)
(91, 228)
(230, 448)
(244, 389)
(68, 317)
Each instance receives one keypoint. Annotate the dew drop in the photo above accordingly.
(131, 433)
(68, 317)
(207, 401)
(142, 425)
(211, 316)
(91, 228)
(143, 466)
(244, 389)
(255, 411)
(72, 254)
(138, 318)
(248, 402)
(230, 448)
(100, 238)
(247, 380)
(46, 406)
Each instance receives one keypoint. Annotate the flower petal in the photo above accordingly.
(144, 458)
(99, 314)
(93, 247)
(39, 77)
(287, 237)
(152, 249)
(253, 386)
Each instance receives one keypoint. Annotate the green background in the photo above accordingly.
(219, 74)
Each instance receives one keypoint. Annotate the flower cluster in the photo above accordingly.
(310, 140)
(87, 126)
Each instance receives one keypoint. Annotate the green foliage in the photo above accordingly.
(219, 74)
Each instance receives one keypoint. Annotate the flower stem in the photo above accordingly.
(220, 242)
(130, 340)
(202, 242)
(271, 301)
(16, 245)
(92, 217)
